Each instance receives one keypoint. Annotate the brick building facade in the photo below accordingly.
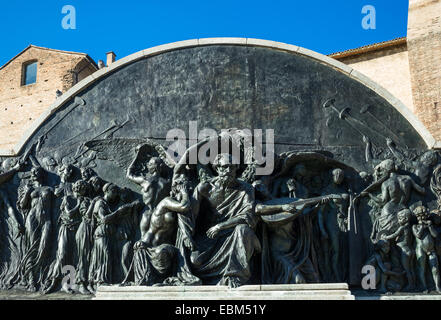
(386, 63)
(410, 68)
(424, 42)
(22, 103)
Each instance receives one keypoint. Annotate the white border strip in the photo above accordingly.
(85, 83)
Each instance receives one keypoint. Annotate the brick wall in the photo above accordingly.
(21, 105)
(424, 45)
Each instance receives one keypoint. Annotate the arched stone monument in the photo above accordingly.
(97, 184)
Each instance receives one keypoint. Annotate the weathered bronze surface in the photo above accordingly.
(95, 190)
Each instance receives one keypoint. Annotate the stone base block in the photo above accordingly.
(322, 291)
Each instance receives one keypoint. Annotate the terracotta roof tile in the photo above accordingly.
(369, 48)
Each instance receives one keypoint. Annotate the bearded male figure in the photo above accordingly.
(224, 217)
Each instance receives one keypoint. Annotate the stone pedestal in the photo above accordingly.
(322, 291)
(402, 296)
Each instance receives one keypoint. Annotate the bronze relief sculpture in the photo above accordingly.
(114, 200)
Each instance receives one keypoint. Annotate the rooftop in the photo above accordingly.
(369, 48)
(54, 50)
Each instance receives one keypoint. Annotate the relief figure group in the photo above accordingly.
(166, 223)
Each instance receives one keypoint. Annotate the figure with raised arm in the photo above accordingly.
(107, 211)
(154, 259)
(395, 194)
(154, 187)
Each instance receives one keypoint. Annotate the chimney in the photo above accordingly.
(101, 64)
(110, 57)
(424, 46)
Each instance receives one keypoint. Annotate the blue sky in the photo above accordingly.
(128, 26)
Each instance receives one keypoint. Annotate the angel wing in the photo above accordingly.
(292, 158)
(122, 150)
(118, 150)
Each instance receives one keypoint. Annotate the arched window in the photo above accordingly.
(29, 73)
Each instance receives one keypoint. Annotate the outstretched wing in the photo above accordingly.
(123, 151)
(292, 158)
(119, 150)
